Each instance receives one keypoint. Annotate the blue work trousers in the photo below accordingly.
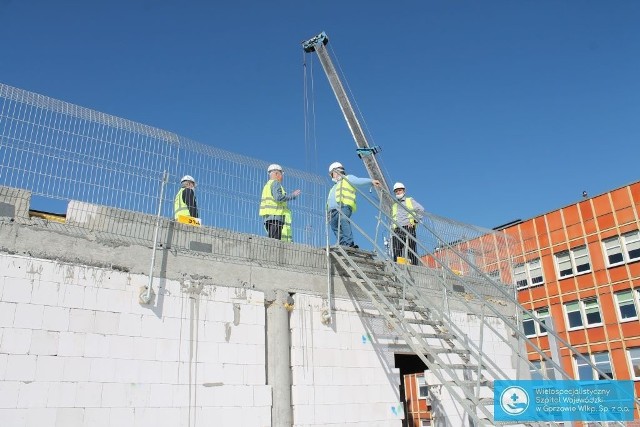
(344, 234)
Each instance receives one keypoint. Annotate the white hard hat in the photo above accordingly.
(274, 167)
(398, 185)
(188, 178)
(335, 165)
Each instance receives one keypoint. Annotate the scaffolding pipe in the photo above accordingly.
(146, 298)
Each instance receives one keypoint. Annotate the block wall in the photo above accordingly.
(340, 376)
(77, 349)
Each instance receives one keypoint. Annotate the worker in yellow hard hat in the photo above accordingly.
(273, 205)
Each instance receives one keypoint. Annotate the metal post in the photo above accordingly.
(327, 315)
(146, 297)
(279, 359)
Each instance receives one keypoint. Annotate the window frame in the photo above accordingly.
(542, 367)
(540, 315)
(582, 309)
(527, 268)
(632, 371)
(421, 382)
(635, 301)
(571, 256)
(624, 241)
(595, 375)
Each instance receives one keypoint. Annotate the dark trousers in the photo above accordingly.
(274, 228)
(402, 234)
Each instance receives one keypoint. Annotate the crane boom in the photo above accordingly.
(317, 44)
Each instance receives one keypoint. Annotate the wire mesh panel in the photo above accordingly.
(106, 174)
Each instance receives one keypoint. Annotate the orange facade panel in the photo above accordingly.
(635, 192)
(606, 221)
(601, 204)
(626, 216)
(618, 274)
(558, 236)
(590, 227)
(634, 270)
(571, 215)
(620, 198)
(586, 211)
(630, 329)
(554, 219)
(575, 231)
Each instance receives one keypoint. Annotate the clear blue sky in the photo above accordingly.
(488, 111)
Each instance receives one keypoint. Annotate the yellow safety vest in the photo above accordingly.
(346, 193)
(411, 214)
(286, 235)
(179, 206)
(269, 206)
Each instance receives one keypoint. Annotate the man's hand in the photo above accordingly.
(376, 183)
(296, 193)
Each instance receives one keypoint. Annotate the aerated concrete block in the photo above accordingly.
(14, 203)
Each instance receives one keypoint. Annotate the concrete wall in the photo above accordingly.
(78, 349)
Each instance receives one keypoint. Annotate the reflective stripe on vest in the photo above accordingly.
(410, 214)
(346, 194)
(286, 235)
(269, 205)
(179, 206)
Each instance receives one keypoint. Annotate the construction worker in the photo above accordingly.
(404, 224)
(341, 202)
(185, 203)
(273, 205)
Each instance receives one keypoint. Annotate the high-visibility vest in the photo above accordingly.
(411, 214)
(179, 206)
(286, 235)
(269, 205)
(345, 193)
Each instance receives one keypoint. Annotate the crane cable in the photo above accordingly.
(361, 117)
(310, 140)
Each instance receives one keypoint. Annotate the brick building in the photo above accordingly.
(581, 268)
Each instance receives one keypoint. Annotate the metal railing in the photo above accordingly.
(105, 174)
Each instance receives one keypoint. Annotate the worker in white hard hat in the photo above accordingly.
(405, 219)
(273, 205)
(185, 201)
(341, 202)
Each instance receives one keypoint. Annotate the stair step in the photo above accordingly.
(470, 383)
(452, 350)
(428, 322)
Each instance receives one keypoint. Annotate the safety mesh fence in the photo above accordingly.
(103, 174)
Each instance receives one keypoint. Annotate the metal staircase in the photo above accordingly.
(441, 345)
(405, 296)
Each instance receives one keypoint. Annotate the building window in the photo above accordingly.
(528, 274)
(622, 249)
(583, 313)
(572, 262)
(423, 389)
(600, 360)
(627, 305)
(531, 327)
(539, 367)
(613, 249)
(634, 361)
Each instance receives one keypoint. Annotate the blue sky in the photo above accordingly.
(487, 111)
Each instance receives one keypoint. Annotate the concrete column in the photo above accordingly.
(279, 358)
